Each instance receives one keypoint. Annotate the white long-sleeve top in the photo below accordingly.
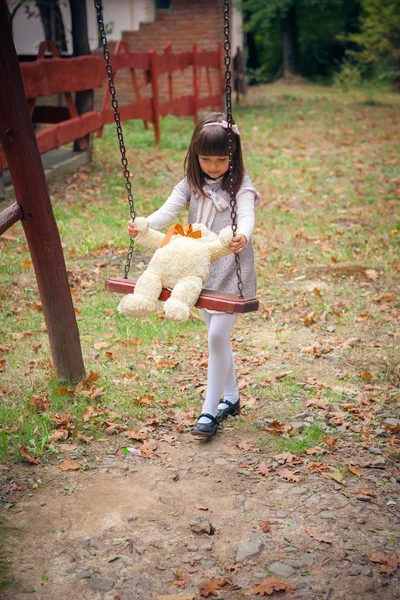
(246, 200)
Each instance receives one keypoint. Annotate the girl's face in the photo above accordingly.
(214, 166)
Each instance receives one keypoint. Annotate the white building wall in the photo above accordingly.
(237, 38)
(122, 15)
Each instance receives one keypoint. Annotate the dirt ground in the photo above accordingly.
(123, 528)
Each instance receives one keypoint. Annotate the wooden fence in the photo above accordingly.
(56, 75)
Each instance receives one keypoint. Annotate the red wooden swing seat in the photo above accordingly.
(228, 303)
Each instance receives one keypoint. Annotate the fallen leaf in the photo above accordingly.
(145, 400)
(38, 404)
(62, 420)
(315, 467)
(114, 428)
(201, 507)
(265, 526)
(177, 597)
(336, 475)
(354, 470)
(59, 435)
(331, 442)
(371, 274)
(366, 375)
(247, 446)
(289, 475)
(210, 588)
(263, 469)
(385, 297)
(309, 318)
(26, 456)
(349, 343)
(136, 434)
(389, 562)
(148, 448)
(101, 345)
(366, 493)
(269, 586)
(85, 438)
(70, 465)
(319, 536)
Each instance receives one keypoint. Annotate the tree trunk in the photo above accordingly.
(53, 23)
(80, 47)
(290, 43)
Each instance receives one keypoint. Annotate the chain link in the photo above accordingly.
(117, 119)
(228, 92)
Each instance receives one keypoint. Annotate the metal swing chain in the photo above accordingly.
(117, 119)
(228, 88)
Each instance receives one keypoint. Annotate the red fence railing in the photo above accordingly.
(56, 75)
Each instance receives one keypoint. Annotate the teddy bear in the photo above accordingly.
(181, 262)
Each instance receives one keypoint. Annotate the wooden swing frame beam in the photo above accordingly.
(33, 208)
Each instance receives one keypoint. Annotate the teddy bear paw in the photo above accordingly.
(136, 305)
(176, 310)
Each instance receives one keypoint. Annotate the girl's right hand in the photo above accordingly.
(132, 231)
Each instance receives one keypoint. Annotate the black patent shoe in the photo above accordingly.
(230, 409)
(205, 430)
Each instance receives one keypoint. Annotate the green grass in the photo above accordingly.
(327, 167)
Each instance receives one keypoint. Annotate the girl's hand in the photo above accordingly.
(239, 243)
(132, 231)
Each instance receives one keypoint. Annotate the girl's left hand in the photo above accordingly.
(239, 243)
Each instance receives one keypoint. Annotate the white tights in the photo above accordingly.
(221, 377)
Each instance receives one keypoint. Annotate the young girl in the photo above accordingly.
(206, 190)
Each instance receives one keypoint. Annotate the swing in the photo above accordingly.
(210, 299)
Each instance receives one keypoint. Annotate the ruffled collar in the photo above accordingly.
(209, 181)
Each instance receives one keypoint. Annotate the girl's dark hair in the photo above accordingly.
(212, 141)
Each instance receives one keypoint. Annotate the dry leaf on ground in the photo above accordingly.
(263, 469)
(269, 586)
(389, 563)
(290, 475)
(70, 465)
(26, 456)
(210, 587)
(59, 435)
(247, 446)
(354, 470)
(177, 597)
(266, 526)
(319, 536)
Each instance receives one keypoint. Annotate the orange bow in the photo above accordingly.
(186, 232)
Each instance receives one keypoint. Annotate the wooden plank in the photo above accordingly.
(19, 145)
(9, 216)
(180, 107)
(46, 77)
(130, 60)
(208, 298)
(137, 110)
(207, 58)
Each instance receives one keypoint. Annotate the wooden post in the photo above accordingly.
(20, 148)
(154, 93)
(195, 86)
(167, 52)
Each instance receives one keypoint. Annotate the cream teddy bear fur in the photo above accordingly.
(182, 265)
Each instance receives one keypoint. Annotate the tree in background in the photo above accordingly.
(300, 37)
(378, 40)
